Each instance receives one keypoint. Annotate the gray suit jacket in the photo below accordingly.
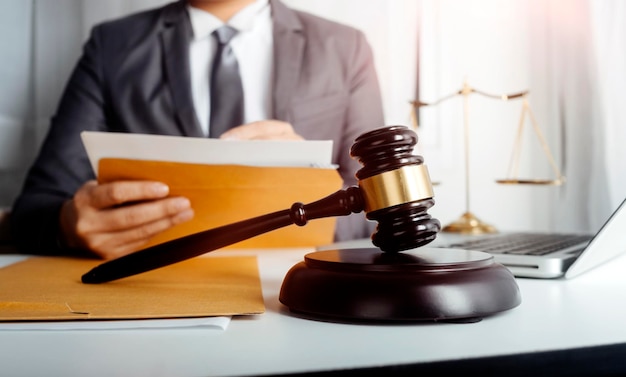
(134, 76)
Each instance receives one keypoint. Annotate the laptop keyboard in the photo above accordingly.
(524, 243)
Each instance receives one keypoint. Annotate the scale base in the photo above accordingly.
(468, 223)
(425, 284)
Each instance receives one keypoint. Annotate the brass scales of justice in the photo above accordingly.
(468, 223)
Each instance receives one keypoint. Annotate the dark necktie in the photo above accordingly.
(226, 88)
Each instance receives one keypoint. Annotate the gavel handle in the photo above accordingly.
(341, 203)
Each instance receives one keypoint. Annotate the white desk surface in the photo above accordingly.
(554, 315)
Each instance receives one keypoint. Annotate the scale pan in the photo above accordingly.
(515, 181)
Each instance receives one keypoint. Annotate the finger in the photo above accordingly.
(262, 130)
(121, 192)
(287, 136)
(137, 215)
(84, 193)
(119, 250)
(116, 244)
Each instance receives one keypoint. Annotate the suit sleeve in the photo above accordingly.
(364, 113)
(62, 165)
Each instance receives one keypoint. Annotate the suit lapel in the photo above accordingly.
(288, 54)
(175, 40)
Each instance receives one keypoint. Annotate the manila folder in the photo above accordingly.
(225, 194)
(49, 289)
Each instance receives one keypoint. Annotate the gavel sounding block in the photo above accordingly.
(424, 284)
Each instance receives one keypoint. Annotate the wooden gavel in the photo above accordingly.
(394, 189)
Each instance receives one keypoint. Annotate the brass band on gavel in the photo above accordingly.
(403, 185)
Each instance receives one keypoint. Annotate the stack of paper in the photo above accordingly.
(226, 181)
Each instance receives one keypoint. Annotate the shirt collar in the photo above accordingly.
(204, 23)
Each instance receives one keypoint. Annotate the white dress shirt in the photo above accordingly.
(253, 46)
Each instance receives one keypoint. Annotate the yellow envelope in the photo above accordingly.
(224, 194)
(49, 289)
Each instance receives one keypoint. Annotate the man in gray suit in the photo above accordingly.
(139, 74)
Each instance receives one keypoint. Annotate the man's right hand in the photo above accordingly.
(115, 219)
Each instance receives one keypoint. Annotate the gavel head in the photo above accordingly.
(396, 188)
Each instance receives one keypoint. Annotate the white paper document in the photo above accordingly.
(314, 153)
(214, 323)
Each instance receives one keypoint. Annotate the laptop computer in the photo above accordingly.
(549, 255)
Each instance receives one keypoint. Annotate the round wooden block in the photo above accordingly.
(424, 284)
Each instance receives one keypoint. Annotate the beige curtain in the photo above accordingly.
(586, 54)
(609, 39)
(570, 55)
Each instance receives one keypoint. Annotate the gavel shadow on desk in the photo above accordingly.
(400, 280)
